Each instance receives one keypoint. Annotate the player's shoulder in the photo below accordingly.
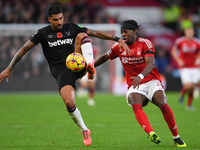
(145, 41)
(181, 39)
(115, 45)
(197, 40)
(45, 29)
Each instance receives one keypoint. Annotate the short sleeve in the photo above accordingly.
(79, 28)
(37, 37)
(149, 49)
(113, 52)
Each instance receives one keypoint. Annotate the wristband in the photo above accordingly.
(116, 39)
(141, 76)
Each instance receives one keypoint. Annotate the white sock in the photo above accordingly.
(176, 137)
(87, 51)
(76, 117)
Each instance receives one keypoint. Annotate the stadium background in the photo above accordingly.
(162, 22)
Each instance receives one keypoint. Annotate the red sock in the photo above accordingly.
(142, 118)
(190, 98)
(91, 92)
(182, 91)
(169, 118)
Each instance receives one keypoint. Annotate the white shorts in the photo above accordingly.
(147, 89)
(189, 75)
(85, 78)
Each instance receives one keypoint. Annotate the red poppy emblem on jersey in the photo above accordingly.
(59, 35)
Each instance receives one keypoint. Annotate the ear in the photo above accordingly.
(135, 31)
(49, 19)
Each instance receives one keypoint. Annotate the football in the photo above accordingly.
(75, 62)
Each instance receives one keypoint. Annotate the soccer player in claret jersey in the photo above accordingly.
(186, 51)
(58, 40)
(144, 83)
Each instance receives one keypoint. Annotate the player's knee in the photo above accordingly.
(69, 102)
(80, 36)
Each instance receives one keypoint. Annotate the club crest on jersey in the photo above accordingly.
(59, 35)
(68, 33)
(138, 51)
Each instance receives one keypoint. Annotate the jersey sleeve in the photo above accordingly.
(149, 49)
(79, 28)
(36, 37)
(113, 52)
(176, 43)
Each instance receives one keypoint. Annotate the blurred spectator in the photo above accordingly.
(171, 14)
(162, 60)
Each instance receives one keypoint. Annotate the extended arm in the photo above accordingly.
(102, 59)
(21, 52)
(107, 36)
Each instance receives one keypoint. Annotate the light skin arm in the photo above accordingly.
(20, 53)
(150, 64)
(107, 36)
(174, 53)
(100, 60)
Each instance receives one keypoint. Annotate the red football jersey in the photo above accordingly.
(134, 63)
(188, 50)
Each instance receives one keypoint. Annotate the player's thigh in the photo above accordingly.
(159, 98)
(154, 85)
(136, 98)
(136, 95)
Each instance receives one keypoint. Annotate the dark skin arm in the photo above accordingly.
(21, 52)
(150, 61)
(102, 59)
(107, 36)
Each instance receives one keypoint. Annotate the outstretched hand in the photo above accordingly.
(136, 81)
(5, 74)
(124, 45)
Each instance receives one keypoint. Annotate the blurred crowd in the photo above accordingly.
(29, 11)
(177, 14)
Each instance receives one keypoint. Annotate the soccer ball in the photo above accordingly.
(75, 62)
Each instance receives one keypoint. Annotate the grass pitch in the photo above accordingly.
(41, 122)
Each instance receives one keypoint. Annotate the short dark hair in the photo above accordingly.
(132, 22)
(54, 9)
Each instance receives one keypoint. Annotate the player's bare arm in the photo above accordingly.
(150, 64)
(102, 59)
(21, 52)
(107, 36)
(176, 57)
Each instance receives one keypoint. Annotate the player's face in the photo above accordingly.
(129, 36)
(56, 21)
(189, 33)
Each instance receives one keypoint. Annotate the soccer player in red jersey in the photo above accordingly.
(186, 52)
(58, 40)
(144, 83)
